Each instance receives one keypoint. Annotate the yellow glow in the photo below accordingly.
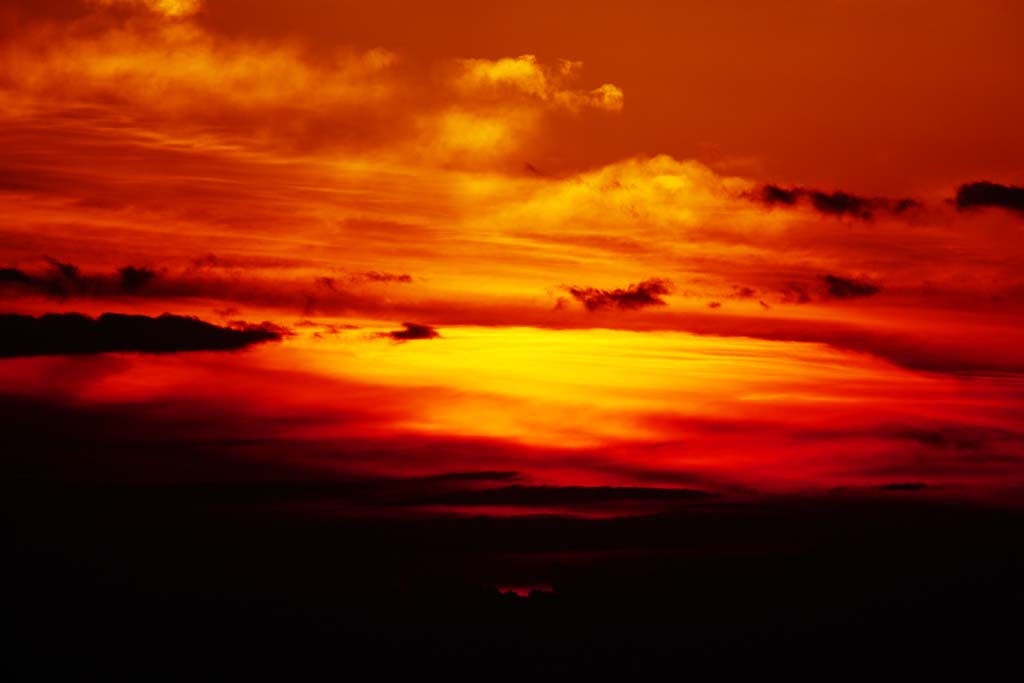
(575, 388)
(168, 8)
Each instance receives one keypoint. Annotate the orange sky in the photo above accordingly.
(578, 199)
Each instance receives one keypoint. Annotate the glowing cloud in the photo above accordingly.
(524, 74)
(168, 8)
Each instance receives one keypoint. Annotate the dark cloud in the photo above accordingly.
(985, 194)
(209, 261)
(325, 328)
(478, 475)
(836, 203)
(540, 496)
(904, 205)
(830, 287)
(267, 327)
(904, 486)
(639, 295)
(795, 293)
(74, 333)
(362, 278)
(714, 304)
(205, 278)
(412, 331)
(840, 204)
(326, 282)
(68, 271)
(848, 288)
(134, 278)
(962, 438)
(772, 194)
(374, 276)
(63, 280)
(60, 280)
(743, 292)
(14, 276)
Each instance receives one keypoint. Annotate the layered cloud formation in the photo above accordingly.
(586, 315)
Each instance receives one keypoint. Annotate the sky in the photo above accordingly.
(649, 251)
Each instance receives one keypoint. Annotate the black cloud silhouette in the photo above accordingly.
(63, 280)
(531, 496)
(837, 203)
(74, 333)
(638, 295)
(14, 276)
(904, 486)
(134, 278)
(375, 276)
(848, 288)
(412, 331)
(985, 194)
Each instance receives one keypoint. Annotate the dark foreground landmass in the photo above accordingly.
(187, 576)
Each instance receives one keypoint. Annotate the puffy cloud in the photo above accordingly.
(468, 136)
(176, 78)
(526, 75)
(495, 108)
(179, 72)
(645, 193)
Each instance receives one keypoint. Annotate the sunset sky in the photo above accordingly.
(728, 248)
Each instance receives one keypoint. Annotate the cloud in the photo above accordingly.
(62, 280)
(848, 288)
(374, 276)
(946, 353)
(636, 296)
(653, 195)
(836, 203)
(476, 475)
(68, 271)
(490, 109)
(739, 292)
(527, 76)
(772, 194)
(518, 495)
(135, 278)
(164, 70)
(14, 276)
(412, 331)
(74, 333)
(795, 293)
(830, 287)
(986, 194)
(206, 279)
(167, 8)
(904, 486)
(176, 76)
(841, 204)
